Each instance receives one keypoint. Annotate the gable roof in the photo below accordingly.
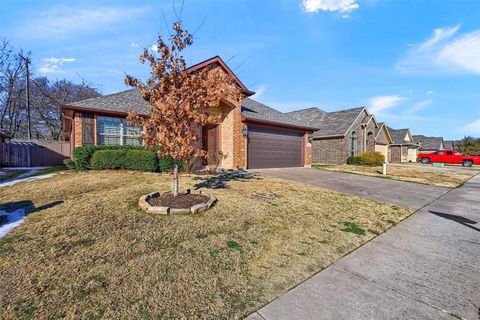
(451, 144)
(307, 115)
(224, 66)
(131, 100)
(329, 123)
(256, 111)
(428, 143)
(382, 126)
(398, 136)
(367, 119)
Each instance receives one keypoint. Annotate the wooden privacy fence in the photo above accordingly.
(34, 153)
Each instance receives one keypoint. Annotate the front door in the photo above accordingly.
(210, 144)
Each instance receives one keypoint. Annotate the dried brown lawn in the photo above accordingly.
(96, 255)
(432, 177)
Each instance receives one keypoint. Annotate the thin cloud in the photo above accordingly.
(383, 103)
(429, 92)
(53, 64)
(62, 21)
(260, 91)
(473, 127)
(445, 52)
(342, 6)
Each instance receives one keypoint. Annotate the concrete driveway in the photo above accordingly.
(426, 267)
(400, 193)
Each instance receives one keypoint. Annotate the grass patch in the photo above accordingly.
(234, 245)
(96, 255)
(440, 178)
(353, 228)
(49, 170)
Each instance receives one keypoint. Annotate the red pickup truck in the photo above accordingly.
(449, 156)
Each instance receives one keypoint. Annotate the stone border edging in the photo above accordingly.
(146, 206)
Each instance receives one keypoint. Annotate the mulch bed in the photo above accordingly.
(182, 201)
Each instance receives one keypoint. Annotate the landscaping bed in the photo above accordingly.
(438, 178)
(89, 251)
(182, 201)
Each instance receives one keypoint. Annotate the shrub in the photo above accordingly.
(108, 159)
(371, 158)
(165, 164)
(353, 160)
(82, 156)
(69, 164)
(143, 160)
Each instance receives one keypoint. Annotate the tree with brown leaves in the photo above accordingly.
(179, 100)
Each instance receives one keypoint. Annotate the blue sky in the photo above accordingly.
(413, 63)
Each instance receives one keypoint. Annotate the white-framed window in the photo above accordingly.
(116, 131)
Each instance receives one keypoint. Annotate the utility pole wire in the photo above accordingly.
(29, 125)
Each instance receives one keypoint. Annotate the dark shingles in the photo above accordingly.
(255, 110)
(398, 136)
(336, 123)
(307, 116)
(377, 130)
(132, 100)
(122, 102)
(329, 123)
(428, 143)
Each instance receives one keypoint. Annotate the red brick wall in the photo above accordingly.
(307, 152)
(77, 120)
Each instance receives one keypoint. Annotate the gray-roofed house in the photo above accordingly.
(403, 148)
(340, 134)
(383, 140)
(249, 133)
(452, 144)
(429, 144)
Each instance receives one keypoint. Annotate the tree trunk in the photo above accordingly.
(176, 182)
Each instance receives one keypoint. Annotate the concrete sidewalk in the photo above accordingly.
(426, 267)
(400, 193)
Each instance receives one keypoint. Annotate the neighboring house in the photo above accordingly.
(340, 134)
(3, 135)
(452, 144)
(249, 134)
(429, 144)
(383, 140)
(403, 148)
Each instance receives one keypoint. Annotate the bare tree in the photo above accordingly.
(179, 100)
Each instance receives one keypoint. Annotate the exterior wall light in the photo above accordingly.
(245, 132)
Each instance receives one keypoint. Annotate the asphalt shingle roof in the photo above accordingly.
(398, 136)
(122, 102)
(377, 130)
(132, 100)
(255, 110)
(307, 116)
(328, 123)
(428, 143)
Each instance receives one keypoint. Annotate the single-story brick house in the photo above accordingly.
(250, 134)
(429, 144)
(383, 140)
(340, 134)
(403, 148)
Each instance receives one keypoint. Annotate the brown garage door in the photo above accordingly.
(274, 148)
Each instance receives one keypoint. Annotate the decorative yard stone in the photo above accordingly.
(145, 203)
